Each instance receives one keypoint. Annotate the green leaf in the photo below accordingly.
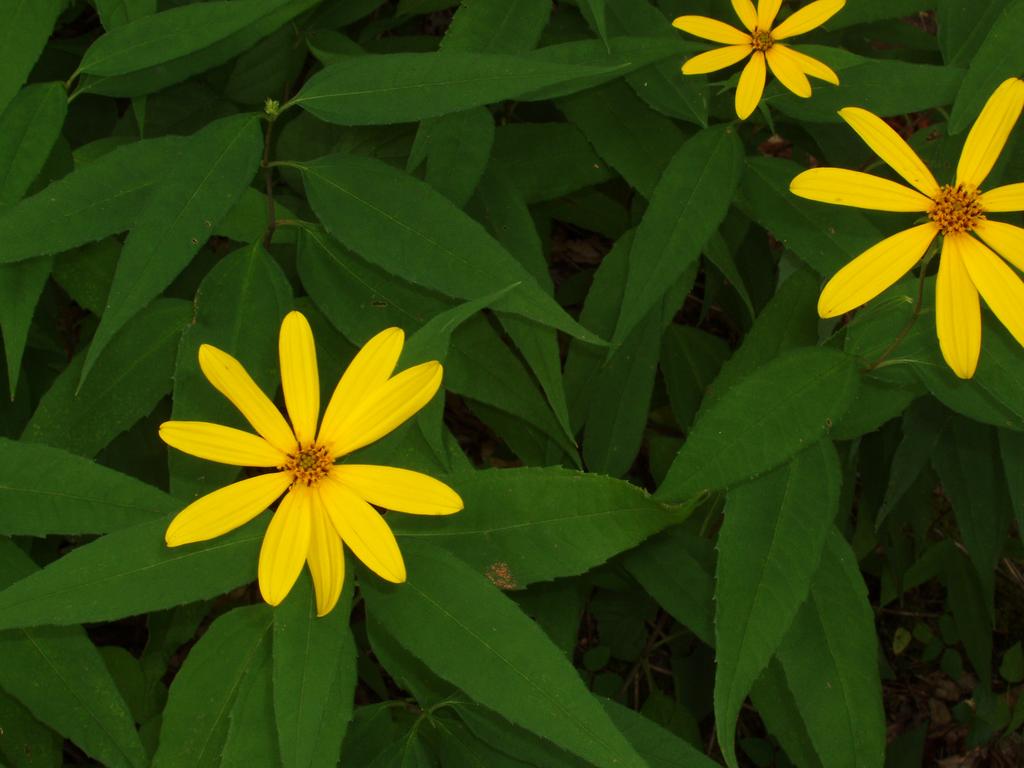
(505, 534)
(27, 27)
(882, 86)
(825, 237)
(998, 58)
(690, 361)
(238, 308)
(26, 742)
(1011, 450)
(406, 87)
(155, 51)
(28, 130)
(687, 206)
(975, 485)
(314, 671)
(249, 741)
(128, 572)
(98, 199)
(830, 658)
(46, 491)
(866, 11)
(769, 547)
(57, 673)
(177, 220)
(763, 420)
(962, 26)
(676, 569)
(778, 709)
(660, 747)
(494, 653)
(497, 26)
(114, 13)
(195, 721)
(402, 225)
(634, 139)
(971, 607)
(132, 375)
(456, 148)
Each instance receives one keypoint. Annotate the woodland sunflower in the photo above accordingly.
(761, 43)
(959, 212)
(324, 503)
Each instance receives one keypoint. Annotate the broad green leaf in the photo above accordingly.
(690, 361)
(998, 57)
(883, 86)
(1011, 450)
(128, 572)
(660, 84)
(962, 27)
(660, 747)
(497, 26)
(687, 206)
(98, 199)
(133, 374)
(676, 568)
(456, 148)
(29, 127)
(57, 673)
(830, 659)
(402, 225)
(195, 721)
(238, 308)
(27, 26)
(763, 420)
(46, 491)
(631, 137)
(530, 524)
(494, 653)
(154, 51)
(314, 671)
(546, 160)
(115, 13)
(866, 11)
(177, 220)
(971, 607)
(778, 709)
(769, 547)
(972, 478)
(405, 87)
(248, 740)
(825, 237)
(923, 425)
(26, 742)
(597, 13)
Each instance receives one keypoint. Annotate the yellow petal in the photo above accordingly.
(712, 29)
(957, 310)
(393, 402)
(812, 67)
(999, 286)
(363, 530)
(746, 12)
(399, 489)
(989, 133)
(367, 372)
(285, 545)
(891, 147)
(811, 16)
(875, 270)
(715, 59)
(1005, 199)
(226, 508)
(767, 10)
(1005, 239)
(326, 559)
(299, 378)
(230, 379)
(787, 69)
(751, 86)
(219, 443)
(860, 190)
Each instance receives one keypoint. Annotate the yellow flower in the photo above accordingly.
(957, 211)
(760, 42)
(325, 503)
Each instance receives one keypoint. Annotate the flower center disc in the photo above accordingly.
(308, 465)
(956, 209)
(762, 41)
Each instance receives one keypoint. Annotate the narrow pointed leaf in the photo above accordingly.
(27, 27)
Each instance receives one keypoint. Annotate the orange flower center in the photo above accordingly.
(762, 41)
(309, 465)
(956, 209)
